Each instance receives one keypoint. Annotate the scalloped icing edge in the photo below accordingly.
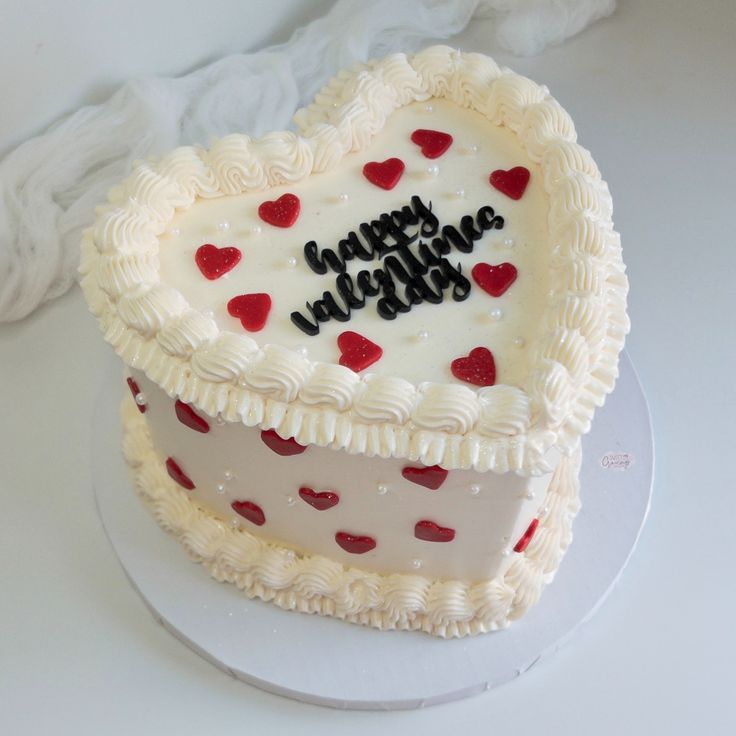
(316, 584)
(576, 355)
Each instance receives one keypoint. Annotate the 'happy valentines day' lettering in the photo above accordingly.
(425, 274)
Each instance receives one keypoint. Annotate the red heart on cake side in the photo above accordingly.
(478, 367)
(358, 352)
(249, 510)
(428, 531)
(214, 262)
(384, 174)
(526, 537)
(186, 415)
(429, 476)
(432, 143)
(177, 474)
(251, 309)
(512, 183)
(354, 543)
(494, 280)
(133, 386)
(281, 212)
(321, 501)
(281, 446)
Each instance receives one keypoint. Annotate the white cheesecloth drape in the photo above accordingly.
(51, 183)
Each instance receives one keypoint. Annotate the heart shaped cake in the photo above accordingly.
(417, 299)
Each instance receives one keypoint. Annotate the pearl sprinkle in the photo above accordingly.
(508, 242)
(382, 489)
(496, 314)
(256, 230)
(422, 336)
(140, 398)
(474, 489)
(416, 564)
(519, 342)
(343, 197)
(223, 226)
(291, 262)
(220, 488)
(433, 170)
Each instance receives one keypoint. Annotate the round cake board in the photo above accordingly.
(329, 662)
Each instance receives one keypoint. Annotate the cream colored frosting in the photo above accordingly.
(570, 367)
(317, 584)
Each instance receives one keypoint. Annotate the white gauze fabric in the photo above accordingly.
(50, 184)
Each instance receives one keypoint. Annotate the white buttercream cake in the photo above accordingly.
(361, 357)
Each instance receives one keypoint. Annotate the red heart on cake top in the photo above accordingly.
(494, 280)
(428, 531)
(281, 212)
(279, 445)
(429, 476)
(251, 309)
(384, 174)
(478, 367)
(249, 510)
(358, 352)
(433, 143)
(186, 415)
(214, 262)
(178, 474)
(133, 386)
(512, 183)
(354, 543)
(321, 501)
(526, 537)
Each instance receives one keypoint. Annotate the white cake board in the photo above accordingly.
(329, 662)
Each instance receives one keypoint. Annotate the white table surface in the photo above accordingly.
(652, 91)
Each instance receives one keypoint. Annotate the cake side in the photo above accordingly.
(317, 584)
(500, 427)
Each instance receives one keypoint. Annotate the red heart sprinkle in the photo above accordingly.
(321, 501)
(428, 531)
(186, 415)
(281, 446)
(429, 476)
(512, 183)
(357, 352)
(178, 474)
(355, 544)
(526, 537)
(213, 262)
(133, 386)
(494, 280)
(251, 309)
(282, 212)
(477, 368)
(249, 510)
(385, 174)
(433, 142)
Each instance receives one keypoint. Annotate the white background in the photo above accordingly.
(652, 91)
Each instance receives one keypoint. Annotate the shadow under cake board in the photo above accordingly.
(329, 662)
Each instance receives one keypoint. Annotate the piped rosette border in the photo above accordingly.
(500, 428)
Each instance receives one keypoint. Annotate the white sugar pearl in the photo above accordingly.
(291, 262)
(175, 231)
(290, 555)
(519, 342)
(220, 488)
(343, 197)
(472, 149)
(208, 314)
(290, 501)
(302, 350)
(474, 489)
(506, 552)
(256, 229)
(496, 314)
(416, 564)
(235, 524)
(459, 193)
(228, 475)
(223, 226)
(508, 242)
(530, 496)
(140, 398)
(433, 170)
(543, 511)
(382, 489)
(219, 421)
(429, 108)
(422, 336)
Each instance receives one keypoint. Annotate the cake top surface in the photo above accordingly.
(427, 270)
